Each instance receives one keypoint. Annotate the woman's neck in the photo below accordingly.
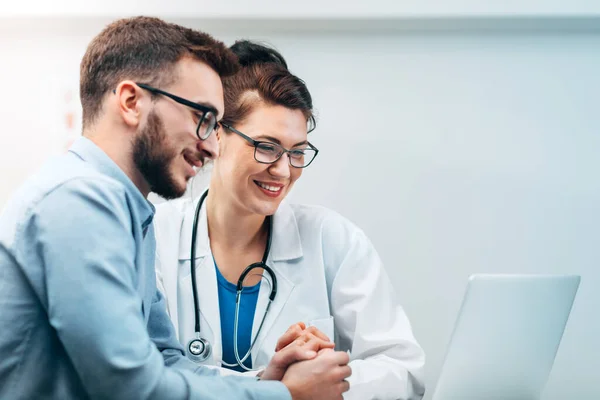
(231, 228)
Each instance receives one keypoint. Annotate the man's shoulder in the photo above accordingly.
(62, 176)
(67, 173)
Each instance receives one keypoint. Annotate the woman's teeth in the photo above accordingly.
(269, 188)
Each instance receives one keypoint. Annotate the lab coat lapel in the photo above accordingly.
(171, 232)
(208, 297)
(286, 245)
(206, 277)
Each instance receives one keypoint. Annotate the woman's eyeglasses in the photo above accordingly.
(269, 152)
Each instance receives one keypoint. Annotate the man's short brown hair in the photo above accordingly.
(143, 49)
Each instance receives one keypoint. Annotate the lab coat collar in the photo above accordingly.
(285, 245)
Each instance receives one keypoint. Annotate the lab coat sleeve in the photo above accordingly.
(386, 360)
(92, 302)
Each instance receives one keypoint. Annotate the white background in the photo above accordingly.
(456, 150)
(297, 9)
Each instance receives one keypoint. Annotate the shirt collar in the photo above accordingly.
(88, 151)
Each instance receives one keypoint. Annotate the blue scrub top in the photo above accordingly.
(227, 293)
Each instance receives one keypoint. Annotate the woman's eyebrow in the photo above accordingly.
(275, 140)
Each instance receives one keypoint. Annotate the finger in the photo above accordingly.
(292, 353)
(289, 336)
(299, 342)
(297, 326)
(339, 373)
(325, 342)
(337, 357)
(343, 358)
(316, 344)
(344, 386)
(315, 331)
(343, 372)
(296, 329)
(324, 351)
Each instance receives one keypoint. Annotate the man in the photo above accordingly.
(80, 313)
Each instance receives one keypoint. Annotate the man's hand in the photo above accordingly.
(299, 331)
(322, 377)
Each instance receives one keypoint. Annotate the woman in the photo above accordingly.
(328, 275)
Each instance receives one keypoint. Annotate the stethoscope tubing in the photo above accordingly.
(239, 288)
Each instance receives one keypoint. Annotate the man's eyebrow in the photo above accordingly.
(208, 105)
(275, 140)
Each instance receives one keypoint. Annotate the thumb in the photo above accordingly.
(293, 353)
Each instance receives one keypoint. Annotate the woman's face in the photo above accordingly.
(255, 187)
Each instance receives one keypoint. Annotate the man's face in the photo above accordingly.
(167, 149)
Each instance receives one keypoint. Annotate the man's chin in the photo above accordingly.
(170, 192)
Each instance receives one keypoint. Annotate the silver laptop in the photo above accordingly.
(506, 337)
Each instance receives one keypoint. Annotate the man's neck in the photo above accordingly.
(120, 151)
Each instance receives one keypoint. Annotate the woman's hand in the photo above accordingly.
(300, 333)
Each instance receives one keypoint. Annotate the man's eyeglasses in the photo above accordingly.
(207, 116)
(269, 152)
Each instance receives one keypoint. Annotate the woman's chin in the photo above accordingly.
(264, 208)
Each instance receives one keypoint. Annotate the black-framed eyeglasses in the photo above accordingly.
(269, 152)
(207, 116)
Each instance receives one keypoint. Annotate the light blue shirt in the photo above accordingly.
(80, 314)
(249, 297)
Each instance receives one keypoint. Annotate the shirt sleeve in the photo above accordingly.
(83, 235)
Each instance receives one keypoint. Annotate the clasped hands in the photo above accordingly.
(306, 363)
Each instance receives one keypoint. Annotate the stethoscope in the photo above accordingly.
(199, 349)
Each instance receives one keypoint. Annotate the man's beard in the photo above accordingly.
(153, 156)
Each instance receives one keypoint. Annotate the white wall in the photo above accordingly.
(299, 9)
(456, 153)
(461, 155)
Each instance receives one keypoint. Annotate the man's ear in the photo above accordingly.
(131, 102)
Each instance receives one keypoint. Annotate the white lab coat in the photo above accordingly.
(329, 275)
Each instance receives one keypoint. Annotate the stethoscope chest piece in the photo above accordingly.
(198, 349)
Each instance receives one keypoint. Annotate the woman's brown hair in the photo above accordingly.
(263, 77)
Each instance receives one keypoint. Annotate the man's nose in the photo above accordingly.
(209, 147)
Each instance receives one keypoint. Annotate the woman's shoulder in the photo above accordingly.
(333, 234)
(313, 212)
(326, 220)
